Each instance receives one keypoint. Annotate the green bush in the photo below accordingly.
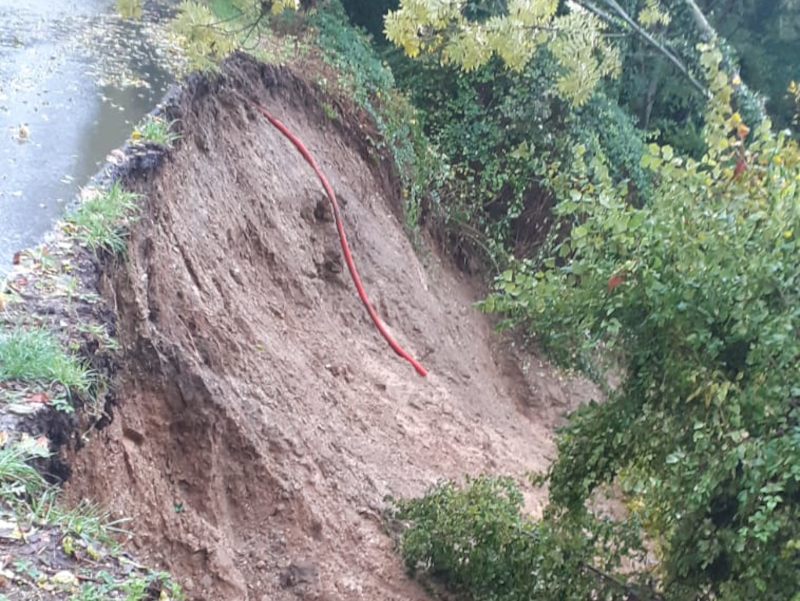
(499, 131)
(696, 298)
(475, 539)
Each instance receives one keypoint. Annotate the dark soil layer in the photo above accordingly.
(261, 419)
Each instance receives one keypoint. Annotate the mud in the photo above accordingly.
(261, 420)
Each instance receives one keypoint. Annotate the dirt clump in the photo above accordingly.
(261, 419)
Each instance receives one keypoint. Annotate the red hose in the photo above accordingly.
(351, 266)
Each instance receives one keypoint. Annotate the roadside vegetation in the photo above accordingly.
(101, 221)
(155, 130)
(58, 551)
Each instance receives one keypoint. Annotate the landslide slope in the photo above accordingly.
(261, 420)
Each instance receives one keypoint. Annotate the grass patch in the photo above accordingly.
(101, 221)
(84, 534)
(155, 130)
(18, 479)
(37, 356)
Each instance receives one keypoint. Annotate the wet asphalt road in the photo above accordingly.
(74, 79)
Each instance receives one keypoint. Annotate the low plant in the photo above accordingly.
(101, 221)
(475, 538)
(19, 481)
(34, 355)
(155, 130)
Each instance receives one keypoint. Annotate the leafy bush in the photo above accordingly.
(696, 296)
(501, 131)
(474, 538)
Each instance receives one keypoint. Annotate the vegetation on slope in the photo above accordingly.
(524, 133)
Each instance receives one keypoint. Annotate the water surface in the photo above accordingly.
(74, 79)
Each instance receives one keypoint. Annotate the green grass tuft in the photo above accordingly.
(37, 356)
(101, 222)
(18, 479)
(156, 130)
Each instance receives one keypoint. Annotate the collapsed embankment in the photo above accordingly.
(261, 420)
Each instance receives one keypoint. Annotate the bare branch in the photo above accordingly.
(642, 33)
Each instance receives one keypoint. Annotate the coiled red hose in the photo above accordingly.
(351, 266)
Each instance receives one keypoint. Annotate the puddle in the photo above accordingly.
(74, 79)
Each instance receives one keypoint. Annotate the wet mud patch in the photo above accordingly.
(261, 420)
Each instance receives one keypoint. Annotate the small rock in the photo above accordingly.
(299, 572)
(261, 565)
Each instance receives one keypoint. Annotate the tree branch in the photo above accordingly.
(700, 20)
(642, 33)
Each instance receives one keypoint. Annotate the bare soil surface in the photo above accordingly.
(261, 419)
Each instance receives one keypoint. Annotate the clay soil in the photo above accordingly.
(261, 420)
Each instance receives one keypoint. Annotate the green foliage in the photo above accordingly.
(696, 297)
(19, 481)
(475, 539)
(153, 585)
(210, 31)
(514, 34)
(370, 83)
(156, 130)
(36, 356)
(102, 220)
(499, 130)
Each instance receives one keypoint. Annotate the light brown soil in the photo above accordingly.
(261, 419)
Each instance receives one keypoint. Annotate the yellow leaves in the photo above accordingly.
(64, 580)
(575, 38)
(278, 6)
(580, 47)
(652, 14)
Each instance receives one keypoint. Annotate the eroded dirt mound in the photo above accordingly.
(262, 419)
